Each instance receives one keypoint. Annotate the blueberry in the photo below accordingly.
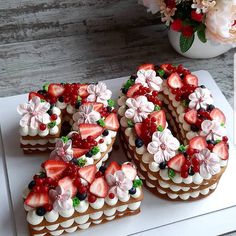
(52, 105)
(40, 211)
(185, 154)
(138, 143)
(210, 142)
(31, 184)
(124, 90)
(49, 112)
(194, 128)
(191, 172)
(109, 109)
(78, 104)
(61, 99)
(42, 92)
(89, 154)
(132, 191)
(162, 165)
(105, 132)
(81, 196)
(202, 86)
(102, 168)
(210, 107)
(133, 77)
(63, 83)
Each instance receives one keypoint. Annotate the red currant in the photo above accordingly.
(184, 168)
(190, 151)
(82, 189)
(44, 189)
(42, 127)
(196, 169)
(188, 162)
(48, 207)
(39, 181)
(184, 174)
(210, 146)
(101, 140)
(225, 139)
(195, 161)
(77, 182)
(53, 117)
(98, 174)
(111, 195)
(92, 198)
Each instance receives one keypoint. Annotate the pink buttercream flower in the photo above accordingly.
(212, 130)
(203, 6)
(200, 98)
(33, 113)
(220, 22)
(209, 163)
(98, 93)
(163, 146)
(63, 151)
(86, 114)
(119, 183)
(149, 78)
(152, 5)
(139, 108)
(61, 199)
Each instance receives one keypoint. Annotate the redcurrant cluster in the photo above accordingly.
(87, 143)
(148, 128)
(153, 98)
(43, 184)
(142, 91)
(184, 92)
(71, 93)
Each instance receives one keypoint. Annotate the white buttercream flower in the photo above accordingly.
(163, 146)
(152, 5)
(212, 130)
(203, 5)
(33, 113)
(200, 98)
(86, 114)
(149, 78)
(139, 108)
(209, 163)
(98, 93)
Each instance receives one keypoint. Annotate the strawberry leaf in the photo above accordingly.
(185, 43)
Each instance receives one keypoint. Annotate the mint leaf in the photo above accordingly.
(52, 124)
(161, 72)
(130, 123)
(64, 139)
(111, 103)
(185, 43)
(75, 201)
(95, 150)
(182, 148)
(137, 183)
(157, 108)
(171, 173)
(81, 162)
(160, 128)
(101, 122)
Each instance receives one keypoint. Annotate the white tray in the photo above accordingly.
(157, 216)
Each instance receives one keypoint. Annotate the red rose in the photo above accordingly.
(187, 31)
(195, 16)
(176, 25)
(170, 3)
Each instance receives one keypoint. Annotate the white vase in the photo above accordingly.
(198, 49)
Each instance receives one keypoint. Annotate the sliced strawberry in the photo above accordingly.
(93, 130)
(191, 80)
(111, 122)
(198, 143)
(138, 129)
(54, 168)
(174, 81)
(88, 173)
(67, 185)
(176, 162)
(132, 90)
(112, 168)
(129, 170)
(160, 118)
(78, 152)
(218, 115)
(191, 116)
(99, 187)
(97, 106)
(146, 67)
(34, 94)
(82, 91)
(56, 90)
(222, 150)
(37, 199)
(168, 68)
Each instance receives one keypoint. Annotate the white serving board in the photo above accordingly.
(157, 215)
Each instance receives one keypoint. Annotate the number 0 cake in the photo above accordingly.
(173, 132)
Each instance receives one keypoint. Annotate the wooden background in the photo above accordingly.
(86, 40)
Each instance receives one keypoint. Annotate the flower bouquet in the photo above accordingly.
(202, 20)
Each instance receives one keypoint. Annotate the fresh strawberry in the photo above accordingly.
(78, 152)
(56, 90)
(111, 122)
(112, 168)
(67, 185)
(174, 81)
(93, 130)
(132, 90)
(198, 143)
(146, 67)
(82, 91)
(176, 162)
(97, 106)
(191, 116)
(99, 187)
(218, 115)
(138, 129)
(88, 173)
(37, 199)
(54, 168)
(160, 118)
(191, 80)
(168, 68)
(129, 170)
(34, 94)
(222, 150)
